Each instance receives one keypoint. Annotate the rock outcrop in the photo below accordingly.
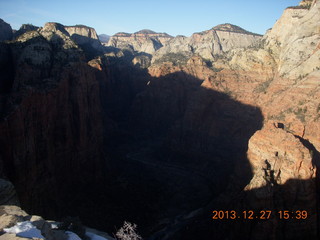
(217, 40)
(8, 195)
(13, 216)
(52, 120)
(87, 38)
(279, 76)
(145, 41)
(5, 31)
(180, 140)
(283, 180)
(25, 28)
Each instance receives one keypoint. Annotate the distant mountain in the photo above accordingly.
(145, 31)
(206, 44)
(145, 40)
(227, 27)
(104, 38)
(86, 37)
(25, 28)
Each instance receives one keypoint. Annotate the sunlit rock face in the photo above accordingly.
(284, 179)
(87, 38)
(206, 44)
(143, 41)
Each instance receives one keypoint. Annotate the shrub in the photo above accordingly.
(128, 232)
(262, 87)
(306, 6)
(175, 58)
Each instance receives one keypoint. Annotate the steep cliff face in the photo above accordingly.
(143, 41)
(25, 28)
(280, 76)
(87, 38)
(217, 40)
(82, 30)
(180, 140)
(5, 31)
(52, 122)
(284, 178)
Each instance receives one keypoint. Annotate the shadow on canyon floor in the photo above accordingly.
(175, 148)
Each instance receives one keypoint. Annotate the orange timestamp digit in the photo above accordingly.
(259, 215)
(247, 214)
(298, 214)
(224, 214)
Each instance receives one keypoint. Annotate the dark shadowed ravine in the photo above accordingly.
(162, 131)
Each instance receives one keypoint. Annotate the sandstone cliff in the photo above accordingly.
(143, 41)
(217, 40)
(284, 178)
(279, 76)
(184, 136)
(52, 122)
(87, 38)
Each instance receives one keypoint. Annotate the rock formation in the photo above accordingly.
(11, 215)
(283, 179)
(143, 41)
(104, 38)
(278, 75)
(8, 195)
(217, 40)
(87, 38)
(50, 128)
(5, 31)
(25, 28)
(224, 119)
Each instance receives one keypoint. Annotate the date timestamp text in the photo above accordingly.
(259, 215)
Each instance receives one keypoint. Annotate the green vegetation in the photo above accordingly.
(262, 87)
(175, 58)
(305, 6)
(280, 117)
(318, 113)
(301, 114)
(302, 76)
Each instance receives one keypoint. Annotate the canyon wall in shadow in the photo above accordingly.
(107, 142)
(96, 132)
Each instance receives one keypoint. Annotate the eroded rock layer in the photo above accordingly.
(164, 141)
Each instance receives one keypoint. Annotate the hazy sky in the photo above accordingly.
(176, 17)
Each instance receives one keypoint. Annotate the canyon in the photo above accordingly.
(161, 130)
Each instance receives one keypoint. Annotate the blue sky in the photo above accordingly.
(176, 17)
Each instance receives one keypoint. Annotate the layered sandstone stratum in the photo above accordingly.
(168, 131)
(143, 41)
